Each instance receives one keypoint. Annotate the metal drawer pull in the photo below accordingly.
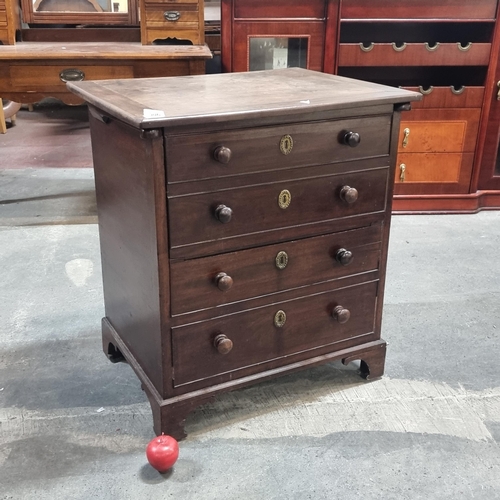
(398, 47)
(406, 137)
(432, 47)
(459, 90)
(223, 281)
(464, 48)
(172, 15)
(426, 90)
(341, 314)
(402, 174)
(498, 93)
(366, 48)
(223, 344)
(71, 75)
(343, 256)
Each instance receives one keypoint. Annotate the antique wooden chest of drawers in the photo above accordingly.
(244, 221)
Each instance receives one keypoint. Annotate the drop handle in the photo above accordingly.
(348, 194)
(343, 257)
(351, 139)
(223, 344)
(223, 214)
(341, 314)
(222, 154)
(223, 281)
(406, 137)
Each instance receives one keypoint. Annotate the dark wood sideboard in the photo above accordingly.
(448, 50)
(243, 233)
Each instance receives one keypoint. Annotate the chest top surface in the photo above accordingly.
(190, 100)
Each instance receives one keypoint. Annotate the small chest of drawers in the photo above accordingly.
(244, 221)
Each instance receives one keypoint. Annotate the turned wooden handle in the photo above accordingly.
(223, 214)
(223, 344)
(348, 194)
(341, 314)
(223, 281)
(351, 139)
(343, 257)
(222, 154)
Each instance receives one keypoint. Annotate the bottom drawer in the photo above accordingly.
(271, 332)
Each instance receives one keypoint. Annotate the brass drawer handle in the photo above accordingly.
(399, 47)
(457, 91)
(366, 48)
(172, 15)
(464, 48)
(426, 90)
(71, 75)
(402, 169)
(433, 47)
(223, 344)
(406, 137)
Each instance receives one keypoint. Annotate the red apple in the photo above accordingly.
(162, 452)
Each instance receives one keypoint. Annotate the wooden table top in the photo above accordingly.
(101, 50)
(189, 100)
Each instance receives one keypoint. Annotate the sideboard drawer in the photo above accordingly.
(219, 218)
(309, 322)
(228, 278)
(193, 157)
(159, 16)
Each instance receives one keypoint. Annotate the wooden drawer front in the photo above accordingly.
(31, 78)
(448, 97)
(421, 9)
(173, 3)
(429, 167)
(191, 157)
(259, 271)
(256, 339)
(155, 18)
(415, 54)
(432, 136)
(263, 9)
(255, 209)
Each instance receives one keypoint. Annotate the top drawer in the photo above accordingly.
(220, 154)
(422, 9)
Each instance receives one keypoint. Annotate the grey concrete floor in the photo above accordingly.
(74, 426)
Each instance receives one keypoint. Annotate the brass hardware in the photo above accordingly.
(426, 90)
(402, 175)
(498, 93)
(280, 319)
(464, 48)
(458, 91)
(172, 15)
(433, 47)
(286, 144)
(398, 48)
(71, 75)
(406, 137)
(281, 260)
(284, 199)
(366, 48)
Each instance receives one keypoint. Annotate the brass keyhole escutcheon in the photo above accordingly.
(280, 319)
(281, 260)
(286, 144)
(284, 199)
(406, 137)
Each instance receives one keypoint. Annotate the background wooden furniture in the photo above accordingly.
(446, 49)
(252, 240)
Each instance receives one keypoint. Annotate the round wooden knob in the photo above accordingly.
(343, 257)
(351, 139)
(348, 194)
(341, 314)
(222, 154)
(223, 214)
(223, 281)
(223, 344)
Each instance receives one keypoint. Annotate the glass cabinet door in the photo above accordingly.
(277, 52)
